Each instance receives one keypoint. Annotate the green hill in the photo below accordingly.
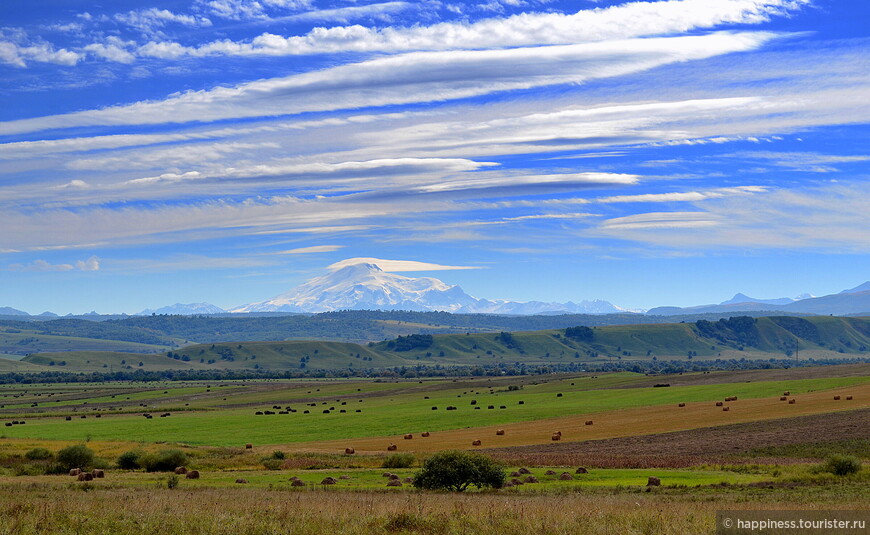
(820, 337)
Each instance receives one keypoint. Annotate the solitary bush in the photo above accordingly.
(129, 460)
(172, 481)
(79, 456)
(842, 465)
(165, 461)
(457, 470)
(38, 454)
(399, 460)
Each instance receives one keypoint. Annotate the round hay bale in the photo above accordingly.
(588, 422)
(424, 434)
(85, 476)
(565, 476)
(408, 480)
(241, 481)
(559, 395)
(550, 473)
(681, 405)
(75, 471)
(394, 476)
(345, 476)
(515, 474)
(516, 482)
(719, 404)
(297, 483)
(530, 479)
(181, 470)
(392, 447)
(792, 401)
(556, 437)
(409, 436)
(329, 481)
(68, 418)
(524, 471)
(653, 482)
(99, 473)
(499, 432)
(848, 398)
(394, 483)
(476, 443)
(249, 446)
(507, 485)
(387, 474)
(581, 470)
(836, 398)
(349, 451)
(786, 393)
(192, 474)
(726, 409)
(783, 398)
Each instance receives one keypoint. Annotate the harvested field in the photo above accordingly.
(698, 446)
(619, 423)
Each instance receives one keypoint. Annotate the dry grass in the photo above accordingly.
(39, 510)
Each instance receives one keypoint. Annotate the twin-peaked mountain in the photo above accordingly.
(368, 287)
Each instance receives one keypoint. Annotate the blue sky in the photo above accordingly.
(669, 152)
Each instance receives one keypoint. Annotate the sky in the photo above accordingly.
(670, 152)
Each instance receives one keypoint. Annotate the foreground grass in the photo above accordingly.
(42, 510)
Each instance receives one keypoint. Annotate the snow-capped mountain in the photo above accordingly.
(181, 309)
(366, 286)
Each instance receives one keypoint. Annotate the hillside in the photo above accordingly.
(822, 337)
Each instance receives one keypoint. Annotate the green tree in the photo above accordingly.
(457, 470)
(79, 456)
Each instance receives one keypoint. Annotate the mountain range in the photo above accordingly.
(366, 286)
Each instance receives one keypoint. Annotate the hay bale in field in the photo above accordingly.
(783, 398)
(516, 482)
(507, 485)
(345, 476)
(499, 432)
(726, 409)
(85, 476)
(848, 398)
(681, 405)
(515, 474)
(293, 478)
(476, 443)
(329, 481)
(249, 446)
(521, 402)
(386, 474)
(836, 398)
(75, 471)
(98, 473)
(394, 476)
(68, 418)
(653, 482)
(588, 422)
(792, 401)
(556, 437)
(349, 451)
(192, 474)
(297, 483)
(550, 473)
(559, 395)
(786, 393)
(565, 476)
(180, 470)
(524, 471)
(241, 481)
(394, 483)
(424, 434)
(490, 406)
(719, 404)
(409, 436)
(581, 470)
(530, 479)
(408, 479)
(434, 408)
(392, 447)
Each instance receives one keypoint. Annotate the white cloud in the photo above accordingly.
(485, 181)
(310, 250)
(660, 220)
(151, 19)
(395, 266)
(91, 264)
(410, 78)
(42, 52)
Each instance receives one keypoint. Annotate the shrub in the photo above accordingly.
(129, 460)
(79, 456)
(842, 465)
(38, 454)
(172, 481)
(272, 464)
(278, 454)
(457, 470)
(164, 461)
(399, 460)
